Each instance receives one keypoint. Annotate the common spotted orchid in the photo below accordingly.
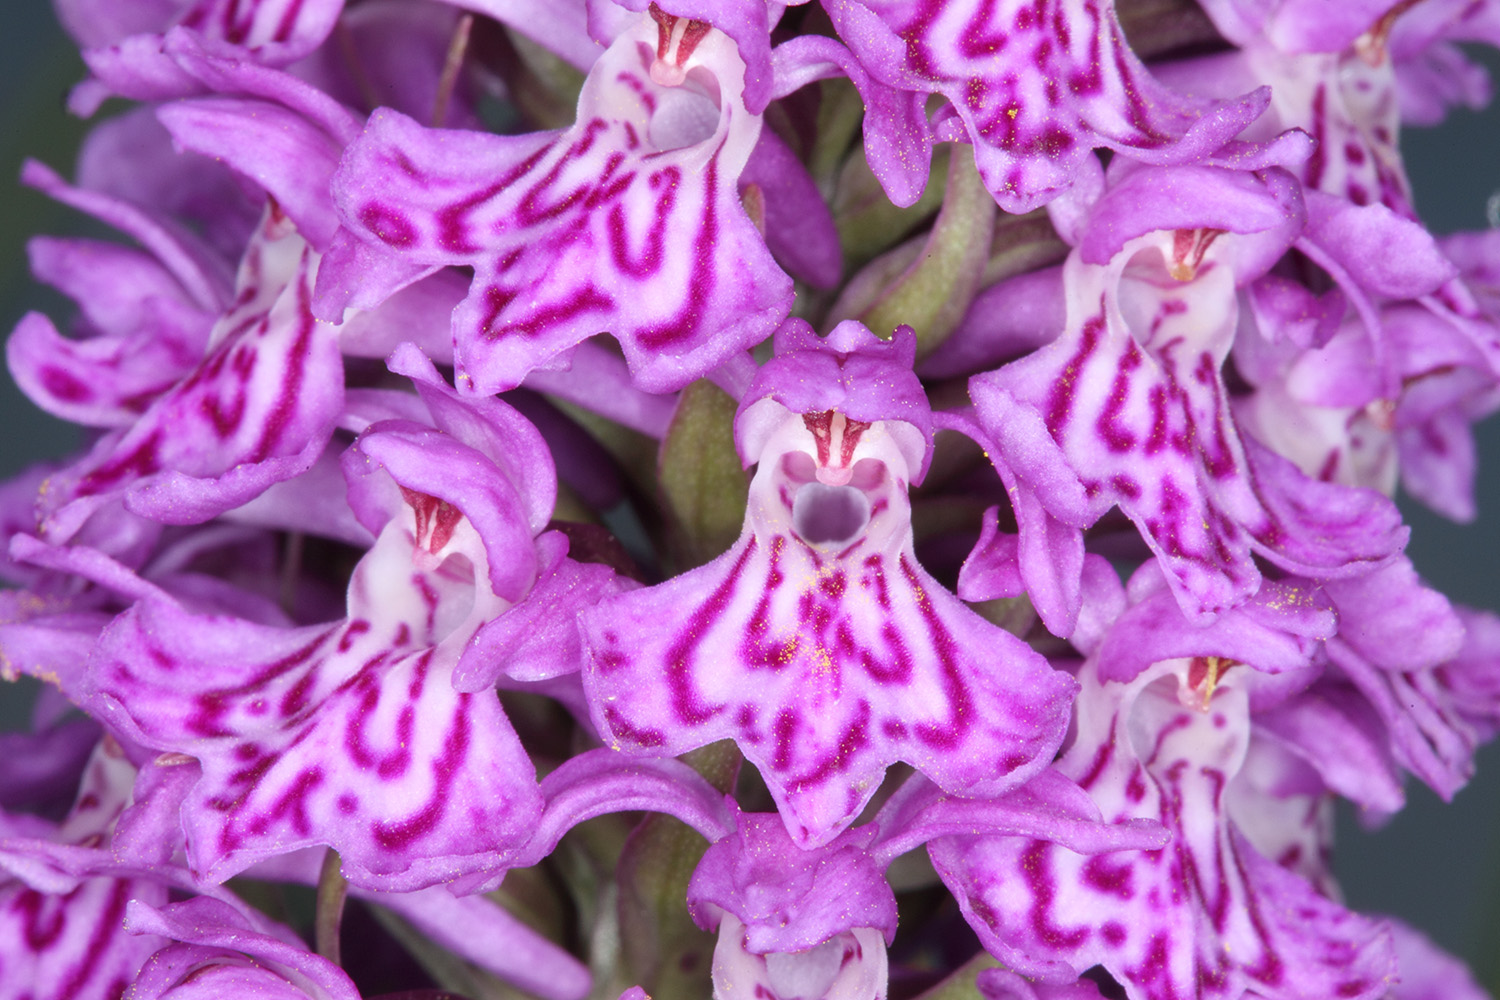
(1132, 392)
(1206, 916)
(817, 642)
(1036, 88)
(394, 766)
(661, 137)
(122, 42)
(63, 927)
(799, 922)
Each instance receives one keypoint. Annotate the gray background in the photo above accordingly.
(1437, 866)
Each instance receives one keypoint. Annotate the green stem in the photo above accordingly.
(332, 889)
(661, 948)
(452, 63)
(840, 113)
(701, 477)
(936, 289)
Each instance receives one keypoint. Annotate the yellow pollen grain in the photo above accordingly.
(1216, 666)
(823, 662)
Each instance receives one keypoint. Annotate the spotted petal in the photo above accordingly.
(1341, 93)
(629, 222)
(129, 59)
(1132, 393)
(352, 734)
(145, 315)
(257, 408)
(820, 645)
(330, 735)
(1036, 87)
(1206, 916)
(139, 334)
(1400, 644)
(73, 945)
(63, 895)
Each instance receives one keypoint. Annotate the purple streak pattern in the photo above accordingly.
(568, 233)
(239, 421)
(1036, 87)
(1205, 917)
(818, 643)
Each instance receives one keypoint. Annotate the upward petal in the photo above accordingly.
(128, 58)
(257, 408)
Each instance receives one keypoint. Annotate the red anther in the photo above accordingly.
(1371, 46)
(676, 37)
(836, 435)
(1188, 248)
(436, 519)
(1204, 674)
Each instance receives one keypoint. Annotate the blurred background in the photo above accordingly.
(1436, 865)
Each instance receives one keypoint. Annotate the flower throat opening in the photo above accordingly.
(823, 515)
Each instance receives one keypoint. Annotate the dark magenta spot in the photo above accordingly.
(64, 386)
(389, 225)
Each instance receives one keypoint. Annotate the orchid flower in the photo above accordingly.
(1035, 88)
(1322, 394)
(817, 642)
(1132, 392)
(64, 934)
(1339, 75)
(1208, 915)
(661, 137)
(68, 886)
(394, 765)
(122, 42)
(798, 922)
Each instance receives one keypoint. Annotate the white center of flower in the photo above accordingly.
(829, 483)
(806, 975)
(850, 965)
